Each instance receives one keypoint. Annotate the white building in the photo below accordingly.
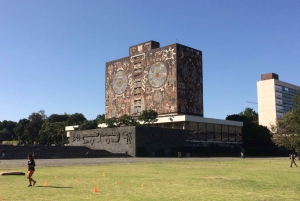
(274, 98)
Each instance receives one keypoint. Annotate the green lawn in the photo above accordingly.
(182, 179)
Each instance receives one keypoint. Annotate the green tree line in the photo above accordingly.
(39, 128)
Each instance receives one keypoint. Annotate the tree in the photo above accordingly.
(5, 134)
(20, 128)
(252, 132)
(124, 120)
(58, 118)
(127, 120)
(250, 114)
(92, 124)
(52, 132)
(9, 128)
(75, 119)
(33, 128)
(111, 122)
(53, 128)
(287, 129)
(148, 117)
(100, 117)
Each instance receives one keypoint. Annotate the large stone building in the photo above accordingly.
(167, 80)
(275, 98)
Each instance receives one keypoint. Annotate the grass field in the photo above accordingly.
(181, 179)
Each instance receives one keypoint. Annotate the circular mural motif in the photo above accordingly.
(157, 96)
(157, 74)
(120, 82)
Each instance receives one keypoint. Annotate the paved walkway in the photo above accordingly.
(81, 161)
(103, 161)
(84, 161)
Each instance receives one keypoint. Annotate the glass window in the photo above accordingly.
(224, 137)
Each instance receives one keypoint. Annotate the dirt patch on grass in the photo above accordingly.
(222, 178)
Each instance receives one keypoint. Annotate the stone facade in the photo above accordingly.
(167, 80)
(136, 141)
(114, 140)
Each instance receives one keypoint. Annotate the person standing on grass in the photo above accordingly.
(2, 153)
(179, 154)
(292, 157)
(31, 169)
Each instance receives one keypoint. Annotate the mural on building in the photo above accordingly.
(148, 79)
(190, 82)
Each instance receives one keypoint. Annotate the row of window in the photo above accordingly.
(285, 89)
(214, 137)
(285, 102)
(201, 127)
(287, 96)
(288, 102)
(283, 109)
(284, 95)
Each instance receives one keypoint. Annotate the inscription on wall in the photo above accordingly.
(102, 137)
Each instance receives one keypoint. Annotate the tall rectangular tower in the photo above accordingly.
(165, 79)
(274, 98)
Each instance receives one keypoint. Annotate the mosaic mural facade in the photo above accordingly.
(167, 80)
(190, 81)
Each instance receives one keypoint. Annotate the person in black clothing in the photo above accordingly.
(2, 153)
(31, 169)
(293, 157)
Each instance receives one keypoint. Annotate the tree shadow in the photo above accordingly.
(53, 187)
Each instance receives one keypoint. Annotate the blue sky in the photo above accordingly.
(53, 53)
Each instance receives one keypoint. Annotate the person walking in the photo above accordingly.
(31, 169)
(292, 157)
(179, 154)
(3, 153)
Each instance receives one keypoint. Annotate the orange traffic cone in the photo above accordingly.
(103, 174)
(46, 183)
(143, 185)
(95, 189)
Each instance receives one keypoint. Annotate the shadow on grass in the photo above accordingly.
(53, 187)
